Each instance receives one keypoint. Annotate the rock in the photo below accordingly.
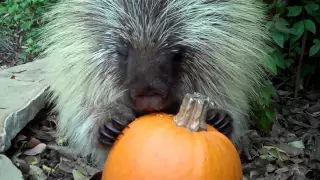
(22, 96)
(8, 170)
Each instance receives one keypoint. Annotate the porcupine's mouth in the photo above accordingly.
(146, 105)
(149, 103)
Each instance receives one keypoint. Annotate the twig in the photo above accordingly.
(300, 123)
(297, 86)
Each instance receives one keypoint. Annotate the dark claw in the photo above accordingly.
(111, 130)
(222, 123)
(106, 142)
(105, 134)
(121, 123)
(109, 126)
(221, 120)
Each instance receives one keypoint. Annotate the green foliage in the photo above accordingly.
(315, 48)
(21, 19)
(288, 27)
(294, 28)
(262, 109)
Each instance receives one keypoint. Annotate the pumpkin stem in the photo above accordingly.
(193, 111)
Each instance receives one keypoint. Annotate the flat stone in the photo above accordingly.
(8, 170)
(22, 96)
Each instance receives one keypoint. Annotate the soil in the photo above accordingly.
(37, 145)
(11, 49)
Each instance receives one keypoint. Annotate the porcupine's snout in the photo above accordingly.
(149, 79)
(151, 97)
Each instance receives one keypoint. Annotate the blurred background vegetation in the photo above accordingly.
(294, 27)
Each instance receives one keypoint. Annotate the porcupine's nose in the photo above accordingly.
(148, 98)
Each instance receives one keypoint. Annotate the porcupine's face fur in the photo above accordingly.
(150, 75)
(150, 59)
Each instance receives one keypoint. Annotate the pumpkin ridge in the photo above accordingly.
(220, 144)
(213, 154)
(205, 152)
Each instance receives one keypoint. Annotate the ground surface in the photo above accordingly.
(10, 51)
(291, 151)
(37, 145)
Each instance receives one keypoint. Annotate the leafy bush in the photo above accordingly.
(19, 22)
(294, 28)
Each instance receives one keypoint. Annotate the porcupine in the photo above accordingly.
(115, 60)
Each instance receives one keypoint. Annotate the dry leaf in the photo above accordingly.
(36, 150)
(77, 175)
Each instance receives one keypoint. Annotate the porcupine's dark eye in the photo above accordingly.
(122, 51)
(177, 60)
(177, 56)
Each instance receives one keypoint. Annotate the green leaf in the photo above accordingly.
(283, 22)
(268, 91)
(298, 50)
(294, 11)
(314, 49)
(277, 57)
(276, 17)
(24, 4)
(40, 10)
(266, 97)
(11, 9)
(29, 41)
(271, 64)
(310, 8)
(17, 17)
(316, 41)
(282, 25)
(298, 29)
(3, 10)
(29, 50)
(293, 44)
(26, 25)
(269, 88)
(278, 38)
(309, 24)
(281, 9)
(263, 122)
(279, 4)
(266, 116)
(270, 115)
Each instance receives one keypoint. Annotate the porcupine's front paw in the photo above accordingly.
(120, 118)
(221, 120)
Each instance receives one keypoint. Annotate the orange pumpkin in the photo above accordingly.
(165, 147)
